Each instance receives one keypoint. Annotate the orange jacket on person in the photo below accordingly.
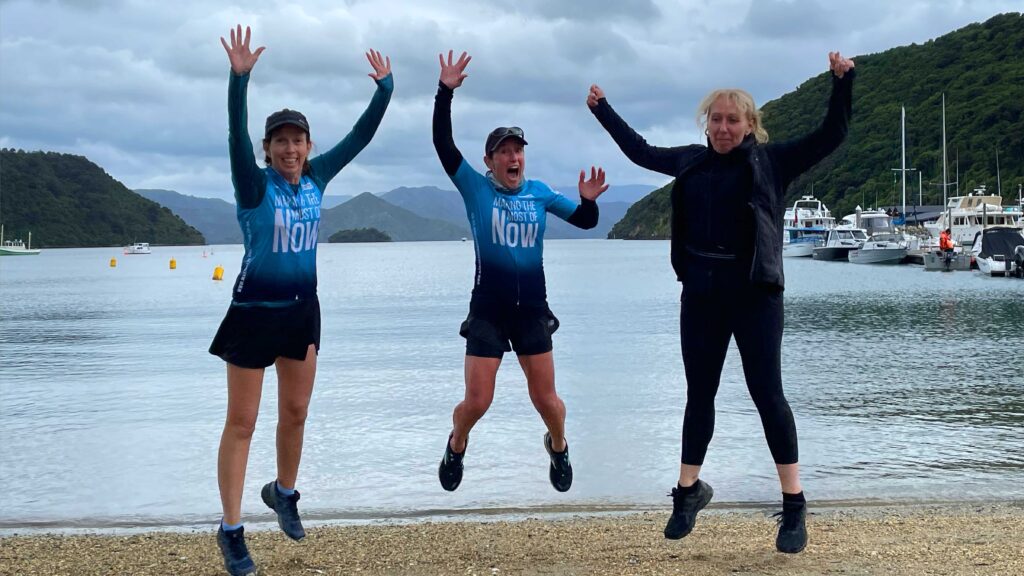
(945, 242)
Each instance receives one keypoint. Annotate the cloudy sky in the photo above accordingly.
(139, 87)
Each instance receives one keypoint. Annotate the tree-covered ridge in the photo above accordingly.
(359, 235)
(67, 201)
(980, 68)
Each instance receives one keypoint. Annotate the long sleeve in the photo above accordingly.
(585, 216)
(444, 143)
(663, 160)
(795, 157)
(327, 165)
(248, 180)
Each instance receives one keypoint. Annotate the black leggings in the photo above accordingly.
(707, 321)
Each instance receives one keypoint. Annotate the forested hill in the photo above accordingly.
(980, 68)
(67, 201)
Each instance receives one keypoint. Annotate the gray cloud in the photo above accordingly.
(140, 88)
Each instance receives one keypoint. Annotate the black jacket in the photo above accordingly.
(773, 166)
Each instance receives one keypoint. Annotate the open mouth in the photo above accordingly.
(512, 173)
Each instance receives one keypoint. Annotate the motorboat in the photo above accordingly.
(881, 248)
(137, 248)
(839, 242)
(996, 249)
(800, 242)
(808, 212)
(16, 247)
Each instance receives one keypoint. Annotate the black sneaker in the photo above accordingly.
(236, 555)
(450, 470)
(792, 536)
(685, 508)
(560, 471)
(286, 509)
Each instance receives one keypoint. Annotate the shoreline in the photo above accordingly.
(553, 512)
(891, 539)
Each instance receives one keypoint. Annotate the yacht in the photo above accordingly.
(16, 247)
(137, 248)
(965, 216)
(806, 224)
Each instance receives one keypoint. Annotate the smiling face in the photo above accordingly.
(507, 162)
(727, 124)
(288, 147)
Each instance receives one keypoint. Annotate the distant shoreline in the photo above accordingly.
(935, 538)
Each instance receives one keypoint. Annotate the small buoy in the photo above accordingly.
(204, 253)
(174, 264)
(113, 262)
(218, 272)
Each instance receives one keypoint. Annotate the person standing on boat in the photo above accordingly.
(946, 244)
(274, 317)
(508, 309)
(727, 228)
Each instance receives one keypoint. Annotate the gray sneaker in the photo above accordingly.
(286, 509)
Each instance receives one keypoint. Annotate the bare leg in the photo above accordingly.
(480, 374)
(789, 477)
(688, 474)
(540, 379)
(244, 388)
(294, 389)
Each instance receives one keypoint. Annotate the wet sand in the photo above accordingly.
(957, 538)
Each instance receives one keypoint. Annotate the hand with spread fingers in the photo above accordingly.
(595, 186)
(381, 65)
(241, 57)
(595, 94)
(839, 65)
(452, 75)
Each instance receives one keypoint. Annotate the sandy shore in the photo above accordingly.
(898, 540)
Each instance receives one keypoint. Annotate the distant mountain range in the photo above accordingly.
(404, 214)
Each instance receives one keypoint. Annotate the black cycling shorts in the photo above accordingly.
(491, 330)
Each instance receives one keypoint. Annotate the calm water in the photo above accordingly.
(905, 384)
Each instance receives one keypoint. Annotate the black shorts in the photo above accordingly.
(491, 330)
(254, 336)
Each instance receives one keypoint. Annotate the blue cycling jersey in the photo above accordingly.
(508, 233)
(280, 221)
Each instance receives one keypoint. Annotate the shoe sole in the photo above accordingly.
(704, 502)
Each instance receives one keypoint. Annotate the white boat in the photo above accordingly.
(996, 250)
(965, 216)
(801, 242)
(137, 248)
(16, 247)
(881, 248)
(839, 242)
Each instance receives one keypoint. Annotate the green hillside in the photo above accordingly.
(67, 201)
(980, 68)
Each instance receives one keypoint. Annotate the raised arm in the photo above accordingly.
(246, 176)
(797, 156)
(586, 214)
(328, 164)
(663, 160)
(452, 76)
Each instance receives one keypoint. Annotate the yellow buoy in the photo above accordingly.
(218, 272)
(174, 264)
(113, 262)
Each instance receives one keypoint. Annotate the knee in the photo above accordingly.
(477, 404)
(545, 399)
(240, 426)
(293, 413)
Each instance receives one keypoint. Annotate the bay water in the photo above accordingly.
(905, 384)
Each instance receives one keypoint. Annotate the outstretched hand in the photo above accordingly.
(595, 186)
(381, 65)
(242, 59)
(839, 65)
(595, 94)
(452, 75)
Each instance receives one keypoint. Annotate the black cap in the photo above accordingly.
(283, 117)
(499, 134)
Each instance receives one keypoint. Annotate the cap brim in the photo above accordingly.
(277, 125)
(502, 139)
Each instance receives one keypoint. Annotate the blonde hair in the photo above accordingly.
(743, 100)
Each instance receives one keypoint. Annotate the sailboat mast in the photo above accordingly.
(903, 154)
(999, 183)
(945, 163)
